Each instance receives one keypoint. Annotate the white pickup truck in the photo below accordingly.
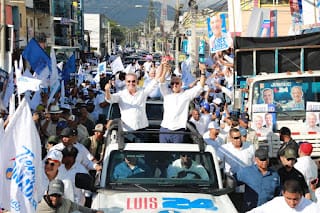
(160, 184)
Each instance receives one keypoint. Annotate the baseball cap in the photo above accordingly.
(53, 140)
(54, 155)
(213, 125)
(206, 106)
(98, 128)
(243, 131)
(244, 117)
(306, 148)
(56, 187)
(285, 131)
(67, 132)
(290, 153)
(262, 154)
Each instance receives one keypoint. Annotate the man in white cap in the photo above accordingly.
(54, 201)
(211, 137)
(52, 163)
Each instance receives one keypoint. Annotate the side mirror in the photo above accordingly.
(230, 181)
(84, 181)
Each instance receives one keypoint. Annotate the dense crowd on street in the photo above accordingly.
(73, 133)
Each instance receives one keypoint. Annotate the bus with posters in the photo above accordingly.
(281, 80)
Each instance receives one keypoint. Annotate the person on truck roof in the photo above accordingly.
(176, 105)
(132, 102)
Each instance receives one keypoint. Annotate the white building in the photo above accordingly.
(96, 25)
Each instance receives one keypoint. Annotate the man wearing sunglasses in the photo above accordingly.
(261, 183)
(52, 163)
(132, 101)
(176, 104)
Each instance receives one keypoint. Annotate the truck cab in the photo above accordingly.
(164, 177)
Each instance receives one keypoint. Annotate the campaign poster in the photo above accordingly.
(312, 122)
(219, 38)
(296, 15)
(264, 123)
(283, 95)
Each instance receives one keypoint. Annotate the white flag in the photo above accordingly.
(20, 165)
(117, 65)
(25, 83)
(54, 74)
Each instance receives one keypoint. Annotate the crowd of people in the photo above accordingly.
(73, 130)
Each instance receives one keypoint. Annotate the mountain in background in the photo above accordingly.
(124, 12)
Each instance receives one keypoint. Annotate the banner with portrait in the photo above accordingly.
(219, 37)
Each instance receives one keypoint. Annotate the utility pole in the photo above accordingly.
(194, 50)
(2, 35)
(177, 34)
(109, 38)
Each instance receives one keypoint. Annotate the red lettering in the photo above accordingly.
(153, 203)
(128, 203)
(142, 203)
(137, 203)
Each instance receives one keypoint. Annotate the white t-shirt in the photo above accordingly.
(278, 204)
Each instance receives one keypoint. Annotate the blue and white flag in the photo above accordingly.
(68, 68)
(9, 89)
(25, 83)
(36, 56)
(20, 165)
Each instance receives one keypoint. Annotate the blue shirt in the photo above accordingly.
(259, 188)
(122, 170)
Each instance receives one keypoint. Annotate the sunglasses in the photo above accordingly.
(133, 81)
(186, 155)
(55, 195)
(263, 159)
(173, 83)
(50, 163)
(236, 138)
(290, 159)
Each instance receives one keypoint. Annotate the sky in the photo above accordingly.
(201, 3)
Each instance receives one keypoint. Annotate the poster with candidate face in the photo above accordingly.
(219, 37)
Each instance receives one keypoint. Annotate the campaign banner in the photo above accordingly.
(220, 39)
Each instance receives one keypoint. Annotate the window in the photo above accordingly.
(156, 167)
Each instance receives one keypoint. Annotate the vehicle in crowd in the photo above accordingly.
(157, 183)
(275, 97)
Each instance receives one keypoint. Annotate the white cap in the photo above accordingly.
(54, 155)
(213, 125)
(217, 101)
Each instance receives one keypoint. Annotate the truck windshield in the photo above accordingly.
(162, 167)
(289, 95)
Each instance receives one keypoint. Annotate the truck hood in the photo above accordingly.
(149, 202)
